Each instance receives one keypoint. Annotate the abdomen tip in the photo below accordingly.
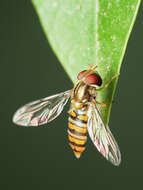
(77, 154)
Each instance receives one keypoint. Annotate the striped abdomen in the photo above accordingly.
(77, 130)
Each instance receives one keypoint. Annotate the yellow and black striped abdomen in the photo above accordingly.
(77, 130)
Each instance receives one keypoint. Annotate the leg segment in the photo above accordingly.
(106, 85)
(101, 104)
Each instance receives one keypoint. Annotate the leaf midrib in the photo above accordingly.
(97, 43)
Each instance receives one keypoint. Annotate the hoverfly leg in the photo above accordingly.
(101, 104)
(106, 85)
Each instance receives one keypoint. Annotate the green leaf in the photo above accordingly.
(82, 32)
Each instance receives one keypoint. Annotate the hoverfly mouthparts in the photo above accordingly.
(91, 78)
(84, 116)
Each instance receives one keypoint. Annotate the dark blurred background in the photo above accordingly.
(40, 158)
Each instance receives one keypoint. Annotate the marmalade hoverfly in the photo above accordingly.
(83, 116)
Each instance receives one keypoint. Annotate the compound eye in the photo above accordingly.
(93, 78)
(80, 75)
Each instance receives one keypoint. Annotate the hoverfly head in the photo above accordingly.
(90, 77)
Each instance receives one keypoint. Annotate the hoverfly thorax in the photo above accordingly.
(80, 92)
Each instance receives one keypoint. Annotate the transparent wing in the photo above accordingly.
(102, 137)
(41, 111)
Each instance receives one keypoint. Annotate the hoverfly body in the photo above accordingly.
(83, 115)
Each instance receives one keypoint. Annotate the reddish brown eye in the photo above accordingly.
(80, 75)
(93, 79)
